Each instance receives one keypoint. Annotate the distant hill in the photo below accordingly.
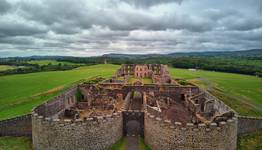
(131, 56)
(245, 53)
(244, 62)
(256, 53)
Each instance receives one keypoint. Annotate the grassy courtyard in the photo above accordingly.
(144, 80)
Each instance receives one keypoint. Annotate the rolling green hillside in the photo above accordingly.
(20, 93)
(241, 92)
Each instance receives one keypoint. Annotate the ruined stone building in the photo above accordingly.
(166, 114)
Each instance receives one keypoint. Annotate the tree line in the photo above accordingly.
(24, 67)
(242, 65)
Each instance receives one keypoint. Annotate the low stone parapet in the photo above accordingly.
(19, 126)
(96, 133)
(163, 135)
(248, 124)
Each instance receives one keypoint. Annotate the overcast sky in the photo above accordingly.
(96, 27)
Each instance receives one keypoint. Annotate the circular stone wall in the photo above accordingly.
(162, 135)
(93, 134)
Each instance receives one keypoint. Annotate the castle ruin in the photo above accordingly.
(167, 114)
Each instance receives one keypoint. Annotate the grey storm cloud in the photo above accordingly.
(18, 29)
(4, 6)
(66, 16)
(149, 3)
(95, 27)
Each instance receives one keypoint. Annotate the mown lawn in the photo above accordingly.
(6, 67)
(20, 93)
(241, 92)
(15, 143)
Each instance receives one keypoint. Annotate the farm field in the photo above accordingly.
(6, 67)
(20, 93)
(241, 92)
(53, 62)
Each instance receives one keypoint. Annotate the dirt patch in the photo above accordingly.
(56, 89)
(177, 113)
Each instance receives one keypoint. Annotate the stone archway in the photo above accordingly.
(133, 128)
(133, 123)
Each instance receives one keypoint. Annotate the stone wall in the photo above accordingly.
(50, 133)
(127, 101)
(205, 102)
(93, 133)
(153, 111)
(19, 126)
(162, 135)
(249, 124)
(57, 104)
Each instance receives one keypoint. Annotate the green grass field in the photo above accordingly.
(144, 80)
(119, 145)
(15, 143)
(20, 93)
(147, 81)
(142, 144)
(6, 67)
(241, 92)
(250, 141)
(46, 62)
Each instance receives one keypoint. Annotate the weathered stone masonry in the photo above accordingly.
(249, 124)
(162, 135)
(49, 132)
(19, 126)
(90, 134)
